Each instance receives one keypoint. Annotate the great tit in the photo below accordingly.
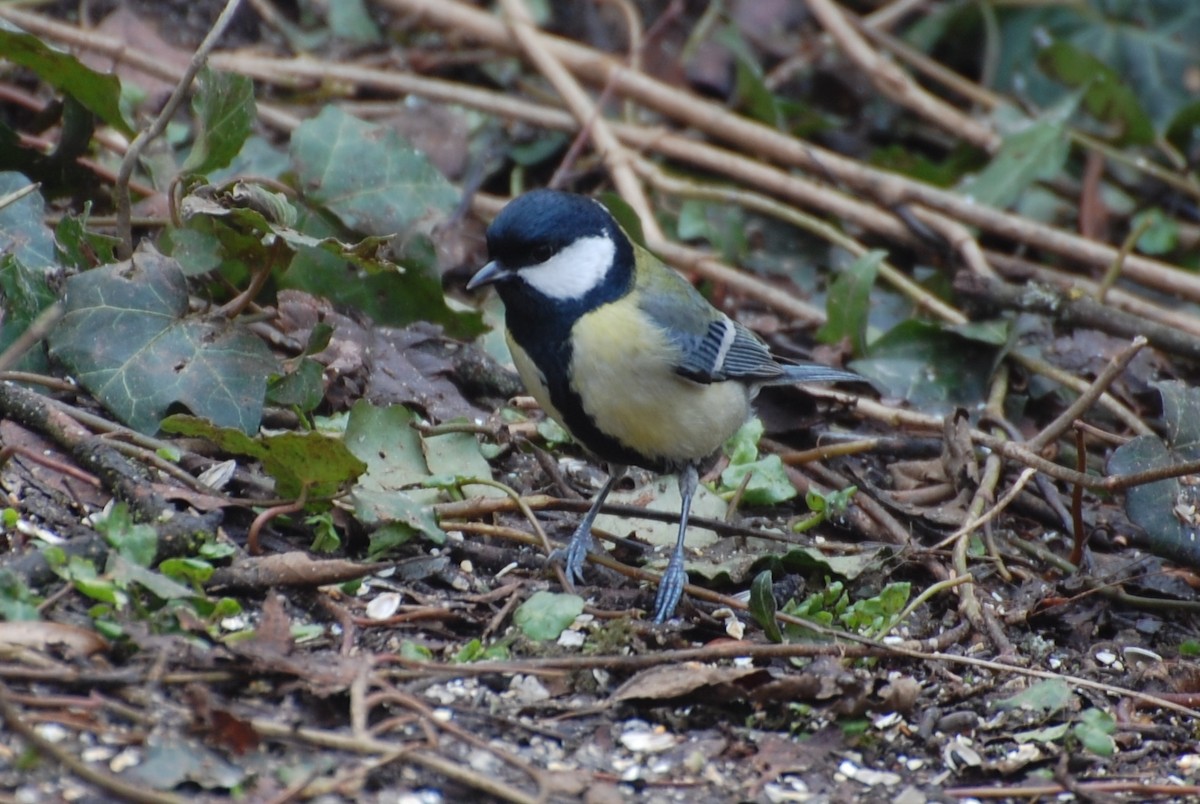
(623, 352)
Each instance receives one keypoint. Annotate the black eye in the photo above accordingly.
(541, 253)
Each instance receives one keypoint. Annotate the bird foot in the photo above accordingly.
(574, 554)
(670, 589)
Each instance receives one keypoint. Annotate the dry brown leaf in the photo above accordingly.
(67, 640)
(290, 569)
(675, 681)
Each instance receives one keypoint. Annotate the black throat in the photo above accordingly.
(542, 327)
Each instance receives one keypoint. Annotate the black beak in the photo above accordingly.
(487, 275)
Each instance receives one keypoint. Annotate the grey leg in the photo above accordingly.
(581, 541)
(670, 588)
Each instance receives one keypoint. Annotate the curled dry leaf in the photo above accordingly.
(290, 569)
(69, 640)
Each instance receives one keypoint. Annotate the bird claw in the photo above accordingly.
(574, 554)
(670, 589)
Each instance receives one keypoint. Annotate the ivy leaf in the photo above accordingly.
(224, 109)
(848, 305)
(762, 605)
(1035, 153)
(98, 92)
(366, 175)
(1047, 697)
(128, 337)
(310, 460)
(545, 615)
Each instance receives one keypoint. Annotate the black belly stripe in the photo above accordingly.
(547, 341)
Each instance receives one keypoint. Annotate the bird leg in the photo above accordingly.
(670, 586)
(581, 543)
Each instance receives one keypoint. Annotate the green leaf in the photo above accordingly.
(366, 175)
(848, 305)
(469, 652)
(394, 518)
(545, 615)
(25, 294)
(553, 433)
(1036, 153)
(1094, 731)
(1052, 695)
(415, 653)
(17, 602)
(154, 353)
(742, 446)
(876, 614)
(302, 388)
(768, 484)
(385, 440)
(190, 570)
(28, 261)
(1162, 508)
(197, 252)
(810, 560)
(136, 542)
(224, 107)
(23, 230)
(722, 226)
(1105, 95)
(1151, 45)
(81, 572)
(124, 573)
(98, 92)
(325, 536)
(1183, 132)
(395, 296)
(932, 368)
(762, 605)
(1049, 734)
(751, 92)
(459, 455)
(350, 20)
(80, 248)
(296, 460)
(1160, 235)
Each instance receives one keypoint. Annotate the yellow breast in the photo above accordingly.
(622, 372)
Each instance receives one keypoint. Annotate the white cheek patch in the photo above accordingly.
(574, 271)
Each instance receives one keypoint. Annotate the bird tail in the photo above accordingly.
(814, 372)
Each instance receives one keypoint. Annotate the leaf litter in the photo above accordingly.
(420, 648)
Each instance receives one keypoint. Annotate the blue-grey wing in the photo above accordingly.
(712, 347)
(726, 351)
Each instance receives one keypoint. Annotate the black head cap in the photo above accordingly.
(537, 225)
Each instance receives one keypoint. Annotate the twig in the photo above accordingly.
(366, 745)
(1104, 379)
(38, 328)
(156, 128)
(532, 42)
(1074, 310)
(893, 83)
(769, 144)
(1071, 287)
(897, 418)
(1017, 487)
(73, 763)
(920, 296)
(260, 521)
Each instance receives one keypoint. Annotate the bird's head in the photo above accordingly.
(549, 247)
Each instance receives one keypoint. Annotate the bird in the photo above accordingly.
(624, 353)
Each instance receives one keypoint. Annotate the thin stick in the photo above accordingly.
(148, 135)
